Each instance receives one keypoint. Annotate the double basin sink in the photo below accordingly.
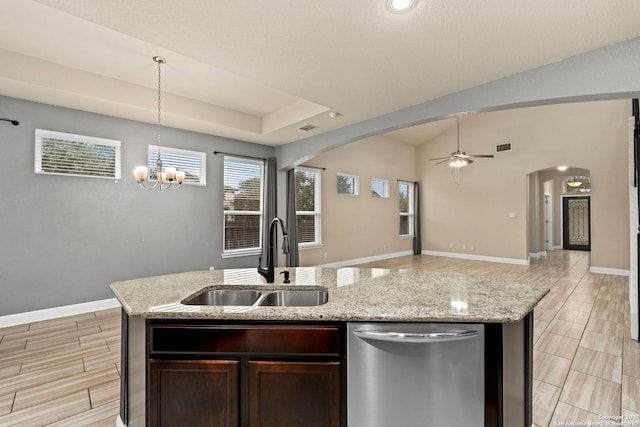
(260, 298)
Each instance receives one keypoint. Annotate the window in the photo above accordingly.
(308, 212)
(243, 181)
(348, 184)
(406, 209)
(380, 188)
(194, 163)
(577, 184)
(58, 153)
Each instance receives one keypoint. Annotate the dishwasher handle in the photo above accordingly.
(411, 337)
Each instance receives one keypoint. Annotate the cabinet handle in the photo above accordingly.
(409, 337)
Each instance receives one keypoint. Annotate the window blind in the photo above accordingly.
(308, 214)
(193, 163)
(243, 204)
(406, 207)
(58, 153)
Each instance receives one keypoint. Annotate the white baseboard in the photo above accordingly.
(477, 257)
(612, 271)
(541, 254)
(366, 259)
(55, 312)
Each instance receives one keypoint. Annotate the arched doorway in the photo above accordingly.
(553, 192)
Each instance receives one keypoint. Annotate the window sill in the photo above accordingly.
(309, 246)
(240, 253)
(406, 236)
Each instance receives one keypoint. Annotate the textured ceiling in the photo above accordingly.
(258, 70)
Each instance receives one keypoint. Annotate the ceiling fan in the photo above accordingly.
(459, 158)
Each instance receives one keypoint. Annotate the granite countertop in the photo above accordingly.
(355, 294)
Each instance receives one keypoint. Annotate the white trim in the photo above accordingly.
(119, 422)
(42, 134)
(356, 184)
(180, 156)
(55, 312)
(477, 257)
(365, 260)
(541, 254)
(612, 271)
(234, 253)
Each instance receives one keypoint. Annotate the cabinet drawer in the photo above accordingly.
(246, 339)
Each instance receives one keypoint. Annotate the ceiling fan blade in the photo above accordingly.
(448, 159)
(441, 158)
(480, 155)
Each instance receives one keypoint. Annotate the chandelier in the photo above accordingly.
(165, 178)
(574, 181)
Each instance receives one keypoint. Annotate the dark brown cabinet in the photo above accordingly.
(246, 375)
(294, 394)
(201, 391)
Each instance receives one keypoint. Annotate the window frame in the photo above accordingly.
(43, 134)
(356, 184)
(385, 185)
(410, 214)
(152, 157)
(317, 212)
(230, 253)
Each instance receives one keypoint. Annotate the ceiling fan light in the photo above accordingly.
(458, 163)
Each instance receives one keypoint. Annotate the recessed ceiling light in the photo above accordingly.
(563, 168)
(400, 6)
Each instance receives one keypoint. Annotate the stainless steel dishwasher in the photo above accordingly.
(415, 375)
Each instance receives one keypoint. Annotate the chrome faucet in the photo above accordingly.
(267, 272)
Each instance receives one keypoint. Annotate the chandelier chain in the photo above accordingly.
(159, 100)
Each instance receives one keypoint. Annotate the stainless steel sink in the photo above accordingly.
(257, 298)
(226, 297)
(295, 298)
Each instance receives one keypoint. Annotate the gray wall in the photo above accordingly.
(65, 239)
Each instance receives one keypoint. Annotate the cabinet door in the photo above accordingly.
(294, 394)
(193, 392)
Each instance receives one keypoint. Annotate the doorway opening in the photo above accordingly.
(559, 215)
(576, 223)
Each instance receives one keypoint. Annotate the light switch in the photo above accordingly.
(512, 214)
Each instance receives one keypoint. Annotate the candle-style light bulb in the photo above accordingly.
(140, 173)
(171, 173)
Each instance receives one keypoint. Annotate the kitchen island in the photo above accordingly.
(169, 346)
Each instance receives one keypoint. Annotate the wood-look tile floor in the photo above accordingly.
(65, 372)
(61, 372)
(586, 366)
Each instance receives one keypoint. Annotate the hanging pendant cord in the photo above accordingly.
(159, 61)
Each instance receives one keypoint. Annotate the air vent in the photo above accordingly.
(503, 147)
(308, 127)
